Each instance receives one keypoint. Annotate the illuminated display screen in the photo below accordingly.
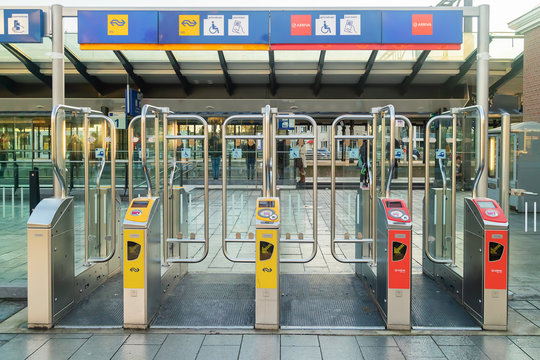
(393, 204)
(486, 205)
(140, 204)
(266, 204)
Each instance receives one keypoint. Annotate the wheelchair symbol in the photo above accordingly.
(325, 29)
(213, 29)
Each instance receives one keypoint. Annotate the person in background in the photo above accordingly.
(250, 149)
(75, 156)
(301, 161)
(4, 146)
(214, 149)
(459, 173)
(364, 178)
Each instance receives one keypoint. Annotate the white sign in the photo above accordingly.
(353, 153)
(18, 24)
(100, 153)
(398, 154)
(294, 153)
(400, 123)
(119, 119)
(325, 25)
(440, 154)
(185, 153)
(239, 25)
(350, 25)
(214, 25)
(236, 153)
(1, 22)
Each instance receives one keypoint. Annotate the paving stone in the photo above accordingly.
(299, 340)
(300, 352)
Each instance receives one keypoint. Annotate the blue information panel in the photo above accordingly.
(422, 27)
(118, 27)
(326, 27)
(21, 26)
(214, 27)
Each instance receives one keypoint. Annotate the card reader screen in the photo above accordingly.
(393, 204)
(266, 204)
(486, 205)
(139, 204)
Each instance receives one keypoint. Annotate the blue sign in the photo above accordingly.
(286, 124)
(398, 154)
(422, 27)
(133, 102)
(440, 154)
(100, 153)
(185, 153)
(354, 153)
(236, 153)
(214, 27)
(118, 27)
(21, 26)
(326, 27)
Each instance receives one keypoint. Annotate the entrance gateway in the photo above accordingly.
(169, 225)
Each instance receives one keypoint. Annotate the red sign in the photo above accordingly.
(136, 212)
(422, 24)
(399, 259)
(496, 259)
(301, 25)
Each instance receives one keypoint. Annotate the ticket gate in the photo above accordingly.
(267, 294)
(485, 272)
(142, 268)
(55, 290)
(474, 294)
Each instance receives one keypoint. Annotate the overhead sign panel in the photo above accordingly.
(214, 27)
(118, 27)
(422, 27)
(21, 26)
(326, 27)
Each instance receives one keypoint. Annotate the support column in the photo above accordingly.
(58, 86)
(482, 86)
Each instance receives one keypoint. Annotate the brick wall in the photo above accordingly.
(531, 76)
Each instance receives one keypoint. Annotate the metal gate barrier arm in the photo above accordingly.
(168, 182)
(333, 239)
(131, 151)
(313, 137)
(225, 240)
(113, 143)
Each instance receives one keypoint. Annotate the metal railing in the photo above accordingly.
(371, 138)
(166, 239)
(231, 119)
(313, 137)
(131, 150)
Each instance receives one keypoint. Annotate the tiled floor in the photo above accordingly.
(265, 347)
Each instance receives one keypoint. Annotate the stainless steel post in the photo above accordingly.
(86, 188)
(482, 85)
(454, 157)
(58, 88)
(505, 163)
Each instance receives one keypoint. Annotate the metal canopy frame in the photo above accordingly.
(96, 83)
(9, 84)
(404, 87)
(130, 70)
(318, 77)
(517, 66)
(363, 79)
(228, 81)
(176, 66)
(29, 64)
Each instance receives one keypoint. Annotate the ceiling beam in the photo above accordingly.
(318, 77)
(176, 66)
(129, 69)
(9, 84)
(272, 75)
(83, 70)
(29, 64)
(363, 79)
(406, 83)
(452, 82)
(228, 81)
(517, 67)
